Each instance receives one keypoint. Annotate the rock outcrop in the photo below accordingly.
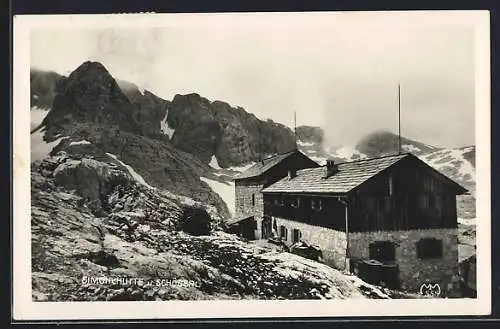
(149, 109)
(206, 128)
(245, 138)
(155, 162)
(90, 95)
(196, 130)
(310, 134)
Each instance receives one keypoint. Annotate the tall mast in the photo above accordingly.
(295, 128)
(399, 118)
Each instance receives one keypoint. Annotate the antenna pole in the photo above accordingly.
(295, 128)
(399, 118)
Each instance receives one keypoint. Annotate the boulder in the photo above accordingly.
(195, 221)
(92, 179)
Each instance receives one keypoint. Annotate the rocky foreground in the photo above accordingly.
(100, 234)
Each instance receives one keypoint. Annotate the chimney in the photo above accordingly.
(331, 168)
(292, 173)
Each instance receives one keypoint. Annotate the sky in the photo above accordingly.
(338, 72)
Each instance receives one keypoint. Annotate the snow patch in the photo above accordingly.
(411, 148)
(468, 149)
(141, 90)
(131, 171)
(301, 143)
(241, 168)
(183, 199)
(214, 163)
(348, 153)
(165, 129)
(36, 116)
(83, 142)
(466, 170)
(40, 149)
(224, 190)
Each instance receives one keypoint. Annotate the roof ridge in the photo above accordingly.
(377, 158)
(277, 155)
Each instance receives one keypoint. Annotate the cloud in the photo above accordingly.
(341, 75)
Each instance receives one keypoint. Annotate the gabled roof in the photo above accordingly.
(264, 165)
(238, 219)
(349, 176)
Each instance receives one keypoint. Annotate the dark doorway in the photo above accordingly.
(266, 227)
(296, 236)
(247, 229)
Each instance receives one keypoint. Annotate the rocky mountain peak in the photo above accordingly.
(90, 94)
(383, 142)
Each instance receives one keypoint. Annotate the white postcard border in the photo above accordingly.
(25, 309)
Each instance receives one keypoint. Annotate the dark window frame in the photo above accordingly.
(317, 204)
(283, 232)
(391, 185)
(429, 248)
(383, 251)
(296, 235)
(296, 202)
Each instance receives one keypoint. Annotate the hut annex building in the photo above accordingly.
(394, 214)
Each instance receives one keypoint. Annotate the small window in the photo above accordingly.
(296, 236)
(317, 204)
(295, 203)
(275, 224)
(383, 251)
(253, 199)
(391, 187)
(429, 248)
(283, 232)
(279, 202)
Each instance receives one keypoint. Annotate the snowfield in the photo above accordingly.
(214, 163)
(224, 190)
(305, 144)
(165, 128)
(452, 160)
(36, 116)
(83, 142)
(183, 199)
(241, 168)
(138, 178)
(40, 149)
(411, 148)
(348, 153)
